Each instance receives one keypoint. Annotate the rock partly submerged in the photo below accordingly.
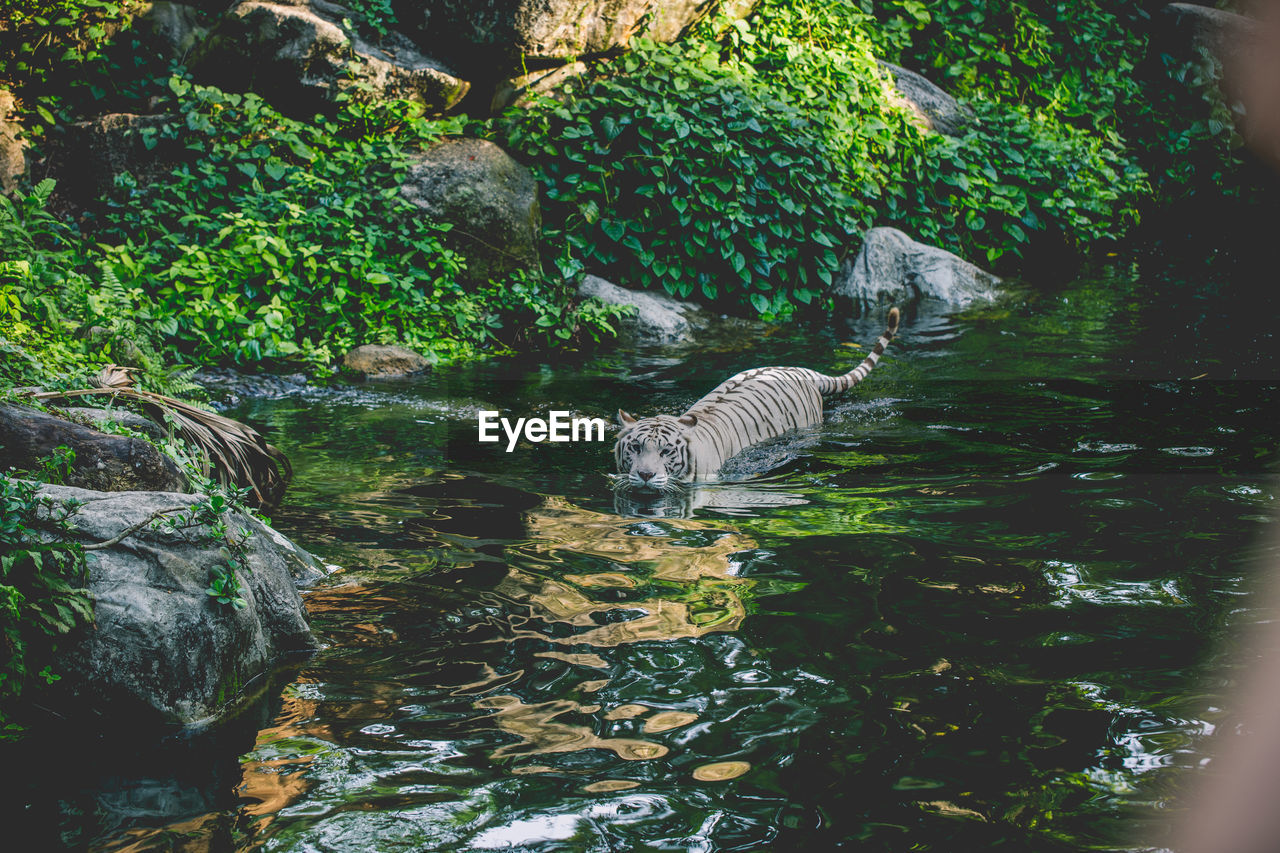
(377, 361)
(226, 387)
(162, 650)
(893, 268)
(655, 317)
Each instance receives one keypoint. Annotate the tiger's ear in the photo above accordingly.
(625, 419)
(688, 420)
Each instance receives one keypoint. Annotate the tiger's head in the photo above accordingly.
(653, 453)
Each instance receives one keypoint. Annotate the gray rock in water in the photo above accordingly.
(376, 360)
(489, 198)
(13, 145)
(894, 268)
(109, 463)
(932, 106)
(228, 387)
(657, 319)
(298, 55)
(161, 648)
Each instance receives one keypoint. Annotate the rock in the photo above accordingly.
(108, 463)
(894, 268)
(1220, 32)
(173, 29)
(296, 54)
(14, 165)
(489, 198)
(377, 361)
(932, 107)
(123, 417)
(657, 319)
(161, 648)
(92, 154)
(122, 350)
(519, 91)
(230, 386)
(1230, 64)
(503, 37)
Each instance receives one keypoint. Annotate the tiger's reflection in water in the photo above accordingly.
(659, 579)
(682, 502)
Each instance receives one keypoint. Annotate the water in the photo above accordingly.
(983, 606)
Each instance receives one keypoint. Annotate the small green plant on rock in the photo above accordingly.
(42, 590)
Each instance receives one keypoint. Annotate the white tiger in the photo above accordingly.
(660, 452)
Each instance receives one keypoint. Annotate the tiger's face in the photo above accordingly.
(653, 453)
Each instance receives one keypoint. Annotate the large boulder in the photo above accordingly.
(161, 648)
(104, 462)
(893, 268)
(502, 37)
(930, 106)
(490, 200)
(298, 55)
(13, 145)
(655, 317)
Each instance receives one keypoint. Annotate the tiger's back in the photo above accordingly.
(748, 408)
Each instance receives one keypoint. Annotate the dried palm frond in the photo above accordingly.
(234, 452)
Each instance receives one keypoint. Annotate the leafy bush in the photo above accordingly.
(745, 171)
(695, 174)
(42, 595)
(69, 58)
(1075, 60)
(1014, 175)
(285, 239)
(50, 292)
(1091, 65)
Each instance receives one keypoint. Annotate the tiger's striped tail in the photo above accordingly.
(840, 384)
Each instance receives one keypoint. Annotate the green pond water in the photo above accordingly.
(986, 605)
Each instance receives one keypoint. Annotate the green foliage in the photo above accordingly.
(1071, 59)
(744, 171)
(695, 174)
(375, 16)
(69, 58)
(52, 295)
(42, 595)
(1091, 65)
(285, 239)
(1013, 175)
